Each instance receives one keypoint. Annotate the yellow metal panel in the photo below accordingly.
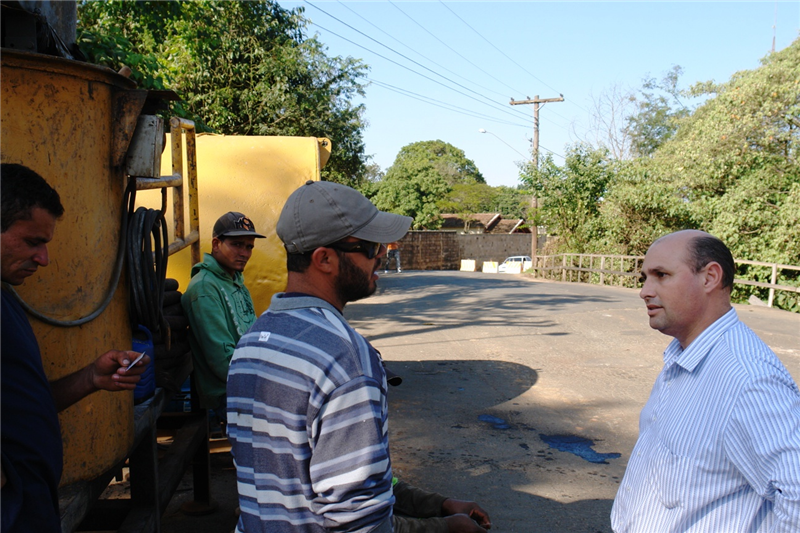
(57, 118)
(253, 175)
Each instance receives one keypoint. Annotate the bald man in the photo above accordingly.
(719, 438)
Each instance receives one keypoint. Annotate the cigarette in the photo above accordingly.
(134, 362)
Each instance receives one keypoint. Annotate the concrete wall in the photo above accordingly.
(494, 247)
(444, 250)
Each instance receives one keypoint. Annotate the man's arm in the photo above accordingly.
(455, 508)
(415, 502)
(460, 516)
(763, 441)
(350, 469)
(107, 372)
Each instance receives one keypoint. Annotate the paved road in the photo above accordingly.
(544, 360)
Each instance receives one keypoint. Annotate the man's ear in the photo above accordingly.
(325, 260)
(215, 244)
(713, 276)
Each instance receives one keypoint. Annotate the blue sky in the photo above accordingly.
(490, 52)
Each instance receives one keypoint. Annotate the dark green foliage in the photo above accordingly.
(243, 68)
(571, 195)
(422, 176)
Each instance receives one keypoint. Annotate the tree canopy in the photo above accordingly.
(659, 111)
(421, 177)
(244, 68)
(728, 166)
(416, 195)
(444, 159)
(572, 194)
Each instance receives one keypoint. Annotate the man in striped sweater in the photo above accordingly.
(719, 438)
(307, 407)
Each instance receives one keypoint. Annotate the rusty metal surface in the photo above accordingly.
(126, 106)
(57, 117)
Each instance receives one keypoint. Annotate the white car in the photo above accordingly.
(515, 264)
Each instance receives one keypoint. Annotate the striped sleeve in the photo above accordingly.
(763, 439)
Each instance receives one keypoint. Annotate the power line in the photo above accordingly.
(423, 98)
(401, 55)
(416, 51)
(505, 55)
(443, 105)
(491, 102)
(448, 46)
(493, 46)
(411, 60)
(552, 152)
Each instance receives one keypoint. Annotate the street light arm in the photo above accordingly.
(502, 141)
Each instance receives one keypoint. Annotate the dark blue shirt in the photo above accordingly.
(31, 437)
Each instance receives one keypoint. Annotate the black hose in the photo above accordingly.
(127, 200)
(147, 267)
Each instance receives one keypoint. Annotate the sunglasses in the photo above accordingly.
(370, 249)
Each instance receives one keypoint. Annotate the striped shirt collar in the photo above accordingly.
(701, 346)
(297, 301)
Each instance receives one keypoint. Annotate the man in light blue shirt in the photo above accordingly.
(719, 438)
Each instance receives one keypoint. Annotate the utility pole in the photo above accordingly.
(536, 101)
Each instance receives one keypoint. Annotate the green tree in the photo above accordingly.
(639, 206)
(416, 196)
(242, 68)
(731, 169)
(421, 177)
(444, 159)
(466, 199)
(512, 202)
(734, 161)
(659, 111)
(571, 195)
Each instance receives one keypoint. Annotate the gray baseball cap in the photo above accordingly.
(320, 213)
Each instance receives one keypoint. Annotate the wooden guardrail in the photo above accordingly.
(624, 270)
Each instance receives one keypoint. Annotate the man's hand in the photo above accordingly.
(471, 509)
(461, 523)
(108, 370)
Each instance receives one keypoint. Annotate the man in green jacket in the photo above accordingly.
(219, 306)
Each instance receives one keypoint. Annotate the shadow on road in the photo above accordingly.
(417, 302)
(444, 437)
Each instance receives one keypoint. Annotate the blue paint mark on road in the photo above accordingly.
(579, 446)
(497, 423)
